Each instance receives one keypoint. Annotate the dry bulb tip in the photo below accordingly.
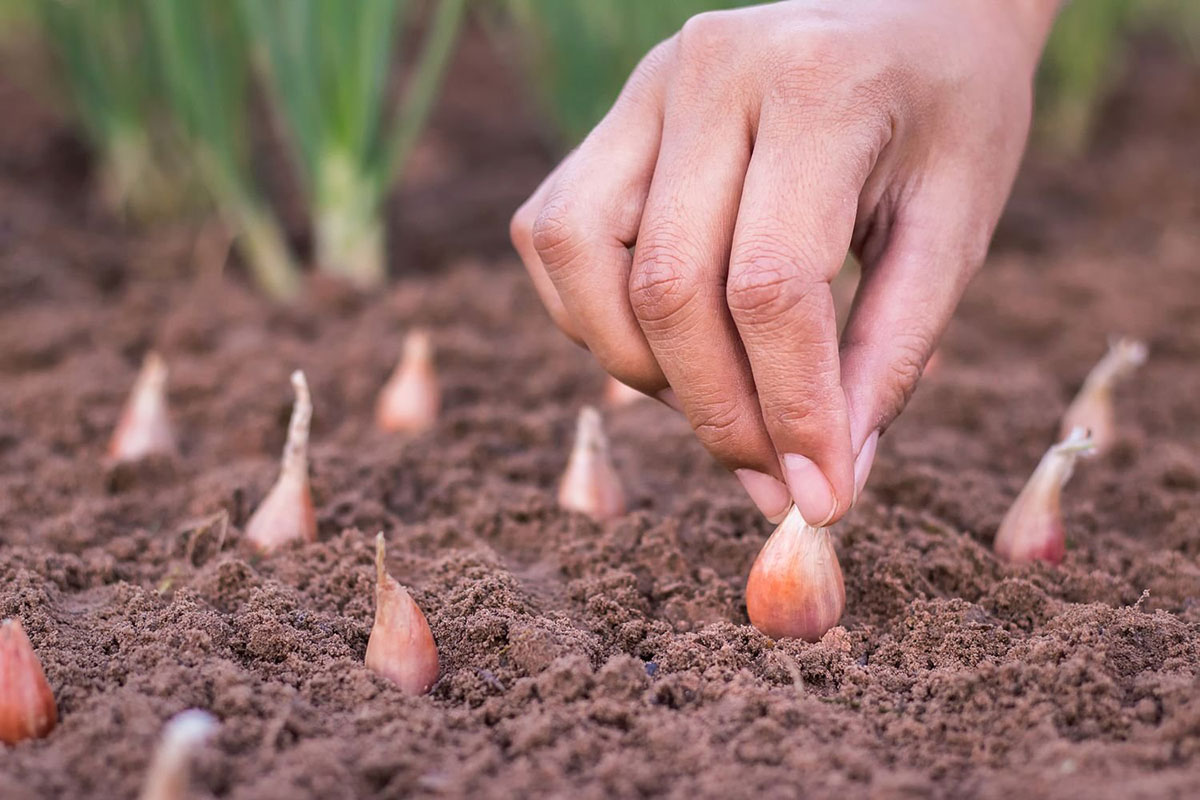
(401, 647)
(145, 425)
(410, 400)
(1092, 408)
(1032, 529)
(286, 514)
(590, 484)
(182, 736)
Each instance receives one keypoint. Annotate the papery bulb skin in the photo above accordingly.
(795, 588)
(401, 647)
(286, 514)
(27, 708)
(1092, 408)
(409, 402)
(145, 426)
(590, 484)
(183, 734)
(1032, 529)
(617, 394)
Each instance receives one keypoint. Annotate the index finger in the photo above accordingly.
(794, 227)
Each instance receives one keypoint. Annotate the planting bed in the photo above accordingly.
(580, 659)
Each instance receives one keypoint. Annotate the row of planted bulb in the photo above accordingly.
(795, 587)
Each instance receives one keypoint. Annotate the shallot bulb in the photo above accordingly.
(410, 400)
(145, 427)
(590, 484)
(795, 587)
(182, 736)
(401, 647)
(287, 514)
(1092, 408)
(1032, 530)
(27, 709)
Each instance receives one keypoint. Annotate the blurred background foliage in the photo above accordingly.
(577, 54)
(1086, 52)
(163, 91)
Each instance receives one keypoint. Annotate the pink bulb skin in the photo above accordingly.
(1029, 536)
(401, 647)
(795, 588)
(285, 515)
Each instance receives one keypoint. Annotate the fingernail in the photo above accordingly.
(811, 491)
(667, 396)
(862, 464)
(771, 496)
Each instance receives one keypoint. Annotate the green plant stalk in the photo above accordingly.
(259, 238)
(206, 73)
(109, 68)
(261, 242)
(348, 227)
(412, 115)
(326, 66)
(349, 207)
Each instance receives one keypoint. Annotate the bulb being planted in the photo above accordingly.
(795, 587)
(401, 647)
(590, 484)
(145, 427)
(286, 514)
(410, 400)
(1092, 408)
(182, 736)
(27, 709)
(1032, 530)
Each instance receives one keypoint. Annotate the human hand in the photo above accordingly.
(690, 240)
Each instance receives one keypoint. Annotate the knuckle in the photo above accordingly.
(661, 285)
(520, 227)
(807, 68)
(792, 417)
(716, 424)
(805, 81)
(706, 37)
(764, 288)
(554, 231)
(652, 65)
(910, 351)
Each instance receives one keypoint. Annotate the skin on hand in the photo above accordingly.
(690, 240)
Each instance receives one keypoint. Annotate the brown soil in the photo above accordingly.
(579, 659)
